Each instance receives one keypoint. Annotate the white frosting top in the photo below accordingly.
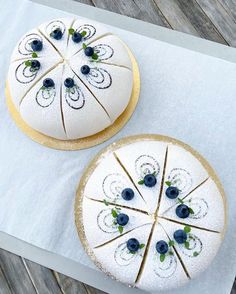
(126, 167)
(93, 102)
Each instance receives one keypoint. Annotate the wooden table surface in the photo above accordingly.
(210, 19)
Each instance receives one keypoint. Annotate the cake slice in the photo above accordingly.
(24, 74)
(104, 223)
(34, 43)
(183, 173)
(108, 49)
(199, 249)
(203, 204)
(162, 269)
(83, 115)
(109, 183)
(102, 79)
(141, 160)
(117, 260)
(56, 32)
(88, 31)
(41, 108)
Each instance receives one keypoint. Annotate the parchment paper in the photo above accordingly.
(184, 94)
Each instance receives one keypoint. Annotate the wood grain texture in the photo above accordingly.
(221, 19)
(211, 19)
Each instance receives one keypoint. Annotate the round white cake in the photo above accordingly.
(70, 78)
(150, 212)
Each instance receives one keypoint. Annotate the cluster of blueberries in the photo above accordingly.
(180, 236)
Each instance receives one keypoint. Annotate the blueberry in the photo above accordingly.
(47, 83)
(150, 180)
(35, 64)
(122, 219)
(85, 69)
(127, 194)
(88, 51)
(133, 245)
(182, 211)
(56, 34)
(37, 45)
(162, 247)
(69, 83)
(77, 37)
(172, 192)
(180, 236)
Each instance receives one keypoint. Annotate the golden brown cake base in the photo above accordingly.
(87, 141)
(78, 207)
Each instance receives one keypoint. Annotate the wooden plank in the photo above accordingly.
(200, 20)
(16, 273)
(139, 9)
(233, 291)
(225, 25)
(88, 2)
(42, 278)
(175, 17)
(230, 7)
(71, 286)
(4, 287)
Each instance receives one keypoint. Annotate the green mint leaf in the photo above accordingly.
(154, 173)
(187, 229)
(195, 254)
(120, 229)
(171, 253)
(94, 56)
(84, 46)
(186, 244)
(190, 237)
(171, 243)
(114, 213)
(105, 202)
(180, 200)
(71, 31)
(34, 55)
(132, 252)
(141, 246)
(190, 210)
(162, 257)
(83, 34)
(141, 182)
(27, 63)
(168, 183)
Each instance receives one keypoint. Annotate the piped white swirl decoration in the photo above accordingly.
(199, 206)
(88, 29)
(181, 179)
(99, 78)
(103, 51)
(56, 24)
(24, 46)
(105, 221)
(164, 269)
(75, 97)
(122, 255)
(195, 246)
(45, 96)
(25, 74)
(146, 164)
(112, 185)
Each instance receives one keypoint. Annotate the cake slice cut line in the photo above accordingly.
(121, 235)
(39, 79)
(91, 93)
(119, 205)
(62, 114)
(177, 254)
(189, 225)
(90, 42)
(68, 38)
(127, 173)
(194, 189)
(50, 43)
(162, 181)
